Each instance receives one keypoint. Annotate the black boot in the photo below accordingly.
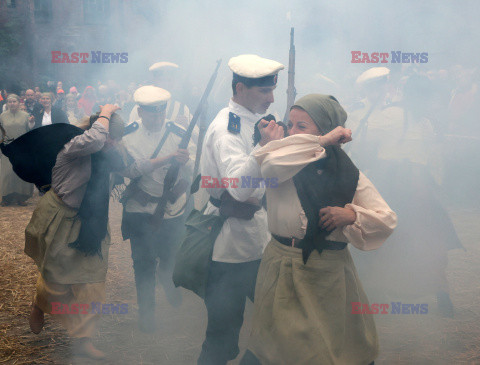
(173, 294)
(145, 283)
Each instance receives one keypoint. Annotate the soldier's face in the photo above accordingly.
(258, 98)
(151, 118)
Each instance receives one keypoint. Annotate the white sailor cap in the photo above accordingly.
(151, 98)
(163, 66)
(254, 70)
(374, 73)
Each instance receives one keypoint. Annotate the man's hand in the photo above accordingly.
(269, 131)
(335, 217)
(31, 121)
(336, 137)
(181, 156)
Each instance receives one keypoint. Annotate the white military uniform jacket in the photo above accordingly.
(229, 155)
(140, 145)
(176, 112)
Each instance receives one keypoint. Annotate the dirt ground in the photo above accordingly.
(404, 339)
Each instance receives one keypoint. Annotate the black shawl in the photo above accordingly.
(331, 181)
(93, 211)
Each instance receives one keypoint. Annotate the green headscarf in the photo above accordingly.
(325, 110)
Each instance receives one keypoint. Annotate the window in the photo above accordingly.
(43, 11)
(96, 11)
(11, 4)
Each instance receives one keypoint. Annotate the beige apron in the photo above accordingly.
(303, 313)
(52, 227)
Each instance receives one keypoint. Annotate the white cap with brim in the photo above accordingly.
(163, 66)
(374, 73)
(151, 98)
(254, 67)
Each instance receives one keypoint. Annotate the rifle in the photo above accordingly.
(291, 91)
(361, 131)
(201, 137)
(172, 173)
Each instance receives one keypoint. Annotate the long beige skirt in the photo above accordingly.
(81, 322)
(52, 227)
(303, 313)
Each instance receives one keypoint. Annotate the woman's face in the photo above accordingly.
(301, 123)
(70, 103)
(13, 105)
(45, 101)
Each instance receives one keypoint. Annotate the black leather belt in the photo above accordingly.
(295, 242)
(229, 207)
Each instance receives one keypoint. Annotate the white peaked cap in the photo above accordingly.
(151, 96)
(160, 66)
(372, 74)
(253, 66)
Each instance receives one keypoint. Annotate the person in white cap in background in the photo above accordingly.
(149, 242)
(227, 153)
(396, 145)
(164, 75)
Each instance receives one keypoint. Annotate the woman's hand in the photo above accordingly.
(269, 131)
(336, 137)
(108, 109)
(335, 217)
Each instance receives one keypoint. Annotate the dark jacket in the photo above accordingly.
(58, 116)
(31, 108)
